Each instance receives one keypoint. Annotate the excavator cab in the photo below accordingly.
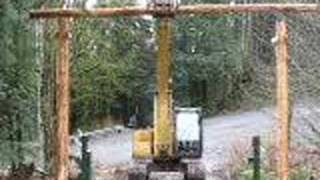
(189, 132)
(172, 148)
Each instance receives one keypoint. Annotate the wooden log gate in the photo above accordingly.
(62, 95)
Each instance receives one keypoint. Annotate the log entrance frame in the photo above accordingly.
(62, 72)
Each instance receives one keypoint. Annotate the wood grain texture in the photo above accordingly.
(61, 151)
(282, 99)
(200, 9)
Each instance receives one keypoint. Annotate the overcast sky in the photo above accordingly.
(142, 2)
(90, 3)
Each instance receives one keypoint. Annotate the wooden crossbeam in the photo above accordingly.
(202, 9)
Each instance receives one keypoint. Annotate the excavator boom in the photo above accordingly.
(163, 123)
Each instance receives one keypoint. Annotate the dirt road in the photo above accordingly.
(224, 133)
(221, 135)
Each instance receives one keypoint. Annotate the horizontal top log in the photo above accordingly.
(201, 9)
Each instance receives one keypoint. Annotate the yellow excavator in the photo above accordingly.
(172, 149)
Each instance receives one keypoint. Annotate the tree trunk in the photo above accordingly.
(39, 28)
(48, 95)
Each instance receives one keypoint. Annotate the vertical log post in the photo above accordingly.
(282, 98)
(61, 155)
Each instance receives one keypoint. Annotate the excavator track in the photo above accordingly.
(156, 171)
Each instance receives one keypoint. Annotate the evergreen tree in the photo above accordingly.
(18, 82)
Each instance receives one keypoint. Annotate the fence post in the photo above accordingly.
(256, 157)
(85, 163)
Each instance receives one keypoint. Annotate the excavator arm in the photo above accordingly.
(164, 129)
(161, 151)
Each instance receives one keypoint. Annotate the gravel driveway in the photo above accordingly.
(221, 134)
